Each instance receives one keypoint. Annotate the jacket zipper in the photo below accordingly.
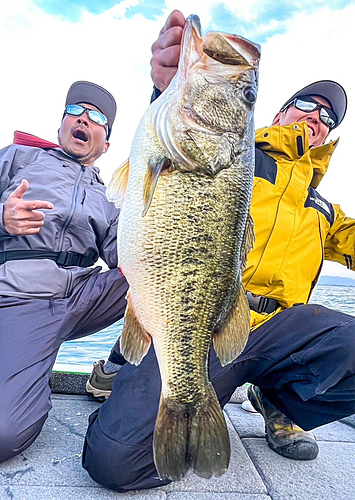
(315, 281)
(72, 208)
(273, 226)
(67, 222)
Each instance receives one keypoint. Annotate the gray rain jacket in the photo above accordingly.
(82, 221)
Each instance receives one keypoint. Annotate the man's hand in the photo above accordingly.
(166, 51)
(21, 217)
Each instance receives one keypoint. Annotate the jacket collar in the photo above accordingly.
(24, 139)
(292, 143)
(92, 172)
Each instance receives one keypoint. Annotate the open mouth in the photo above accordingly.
(311, 131)
(81, 135)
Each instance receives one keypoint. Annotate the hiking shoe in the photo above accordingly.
(100, 384)
(282, 435)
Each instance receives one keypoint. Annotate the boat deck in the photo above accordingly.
(51, 467)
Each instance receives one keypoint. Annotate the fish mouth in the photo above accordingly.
(80, 135)
(233, 50)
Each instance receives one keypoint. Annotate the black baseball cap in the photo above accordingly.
(330, 90)
(90, 93)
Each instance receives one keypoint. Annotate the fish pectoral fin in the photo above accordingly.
(134, 341)
(150, 180)
(230, 341)
(116, 190)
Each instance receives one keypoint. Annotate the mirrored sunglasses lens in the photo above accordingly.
(97, 117)
(74, 109)
(326, 118)
(305, 105)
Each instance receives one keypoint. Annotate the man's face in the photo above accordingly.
(318, 130)
(82, 138)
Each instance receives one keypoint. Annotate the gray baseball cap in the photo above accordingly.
(330, 90)
(90, 93)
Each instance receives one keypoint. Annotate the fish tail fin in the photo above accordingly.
(188, 437)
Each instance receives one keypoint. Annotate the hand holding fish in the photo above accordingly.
(166, 50)
(21, 218)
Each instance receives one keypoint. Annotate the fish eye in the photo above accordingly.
(249, 94)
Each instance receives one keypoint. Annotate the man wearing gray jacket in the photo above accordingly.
(55, 222)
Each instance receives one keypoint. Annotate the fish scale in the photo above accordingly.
(184, 232)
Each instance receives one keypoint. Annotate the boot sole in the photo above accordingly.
(305, 450)
(97, 393)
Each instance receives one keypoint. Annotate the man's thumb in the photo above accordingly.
(20, 190)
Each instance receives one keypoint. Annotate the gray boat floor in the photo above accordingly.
(51, 467)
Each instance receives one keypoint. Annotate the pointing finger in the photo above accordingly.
(34, 205)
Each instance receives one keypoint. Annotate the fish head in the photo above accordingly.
(221, 88)
(211, 98)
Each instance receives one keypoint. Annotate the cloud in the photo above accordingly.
(264, 19)
(73, 11)
(150, 9)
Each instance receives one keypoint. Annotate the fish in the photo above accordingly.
(184, 233)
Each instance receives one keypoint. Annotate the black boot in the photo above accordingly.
(282, 435)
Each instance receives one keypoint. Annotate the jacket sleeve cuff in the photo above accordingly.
(156, 93)
(3, 232)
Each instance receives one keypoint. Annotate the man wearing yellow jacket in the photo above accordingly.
(300, 357)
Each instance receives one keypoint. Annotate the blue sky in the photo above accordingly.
(71, 10)
(265, 19)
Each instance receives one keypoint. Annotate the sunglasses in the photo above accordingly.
(78, 110)
(307, 104)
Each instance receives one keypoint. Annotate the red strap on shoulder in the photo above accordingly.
(24, 139)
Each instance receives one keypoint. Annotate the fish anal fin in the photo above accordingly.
(230, 341)
(135, 341)
(116, 190)
(150, 180)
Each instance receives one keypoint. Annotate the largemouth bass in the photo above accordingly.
(183, 237)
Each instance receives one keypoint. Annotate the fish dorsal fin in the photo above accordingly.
(230, 341)
(134, 342)
(116, 190)
(151, 179)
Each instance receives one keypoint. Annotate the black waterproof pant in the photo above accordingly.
(303, 359)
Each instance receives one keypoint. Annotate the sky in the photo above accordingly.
(46, 45)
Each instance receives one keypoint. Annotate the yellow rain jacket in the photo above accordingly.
(295, 228)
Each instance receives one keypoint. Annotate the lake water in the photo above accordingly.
(89, 349)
